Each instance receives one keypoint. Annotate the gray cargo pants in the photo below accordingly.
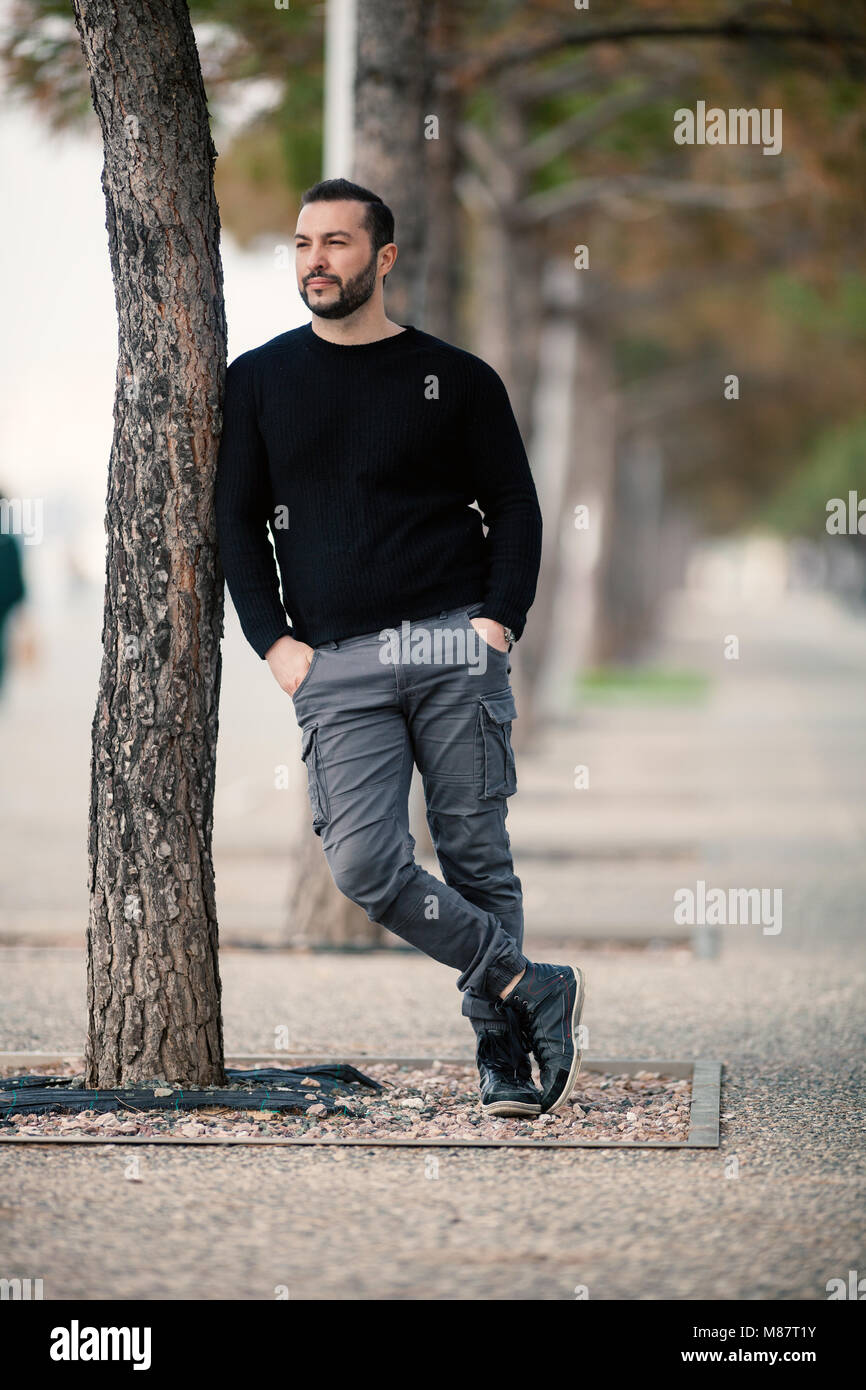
(436, 694)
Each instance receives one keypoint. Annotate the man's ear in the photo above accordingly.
(391, 246)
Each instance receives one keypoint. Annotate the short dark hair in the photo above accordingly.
(378, 218)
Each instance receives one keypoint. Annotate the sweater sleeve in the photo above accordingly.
(498, 468)
(242, 510)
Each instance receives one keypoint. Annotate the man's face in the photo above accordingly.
(335, 265)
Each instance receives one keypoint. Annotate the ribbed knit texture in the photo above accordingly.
(365, 460)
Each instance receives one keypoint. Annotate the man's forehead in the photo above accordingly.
(344, 216)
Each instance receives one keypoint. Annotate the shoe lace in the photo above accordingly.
(518, 1052)
(506, 1049)
(522, 1023)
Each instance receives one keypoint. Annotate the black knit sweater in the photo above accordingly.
(364, 460)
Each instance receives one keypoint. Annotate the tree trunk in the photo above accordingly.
(628, 588)
(153, 980)
(525, 257)
(444, 257)
(556, 436)
(444, 250)
(486, 300)
(318, 913)
(569, 624)
(392, 100)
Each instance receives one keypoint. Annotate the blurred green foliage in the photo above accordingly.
(838, 314)
(833, 466)
(636, 357)
(642, 684)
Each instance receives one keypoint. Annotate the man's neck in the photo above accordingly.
(356, 328)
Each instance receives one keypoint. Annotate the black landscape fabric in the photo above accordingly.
(266, 1089)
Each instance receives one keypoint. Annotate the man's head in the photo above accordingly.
(344, 247)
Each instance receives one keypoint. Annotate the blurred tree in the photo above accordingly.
(831, 466)
(443, 280)
(391, 111)
(597, 169)
(393, 131)
(263, 72)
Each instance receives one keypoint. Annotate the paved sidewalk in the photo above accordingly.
(763, 787)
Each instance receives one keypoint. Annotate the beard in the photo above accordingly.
(353, 293)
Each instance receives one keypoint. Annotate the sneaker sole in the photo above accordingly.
(511, 1107)
(575, 1061)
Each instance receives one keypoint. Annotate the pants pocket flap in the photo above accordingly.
(317, 785)
(500, 707)
(307, 737)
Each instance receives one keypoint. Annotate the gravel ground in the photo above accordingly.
(436, 1102)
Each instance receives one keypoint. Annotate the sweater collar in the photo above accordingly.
(373, 349)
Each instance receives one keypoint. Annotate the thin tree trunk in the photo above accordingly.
(153, 981)
(525, 258)
(392, 99)
(568, 624)
(486, 309)
(444, 257)
(444, 250)
(318, 913)
(392, 86)
(555, 438)
(628, 580)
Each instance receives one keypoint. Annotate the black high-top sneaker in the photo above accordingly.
(548, 1001)
(505, 1070)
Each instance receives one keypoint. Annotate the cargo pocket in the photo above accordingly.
(316, 784)
(496, 771)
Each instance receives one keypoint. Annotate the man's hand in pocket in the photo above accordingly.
(289, 661)
(492, 632)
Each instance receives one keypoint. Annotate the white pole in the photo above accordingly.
(340, 38)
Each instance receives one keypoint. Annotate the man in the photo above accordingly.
(363, 444)
(12, 587)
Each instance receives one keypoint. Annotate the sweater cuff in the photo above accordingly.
(506, 614)
(263, 643)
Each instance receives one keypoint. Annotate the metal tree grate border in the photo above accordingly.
(705, 1076)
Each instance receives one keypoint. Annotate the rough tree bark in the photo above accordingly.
(153, 984)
